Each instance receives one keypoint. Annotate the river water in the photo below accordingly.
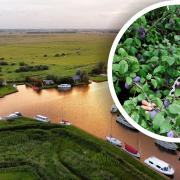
(88, 108)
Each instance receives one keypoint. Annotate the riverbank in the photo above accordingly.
(6, 90)
(51, 151)
(98, 78)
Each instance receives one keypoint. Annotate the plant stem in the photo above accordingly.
(143, 92)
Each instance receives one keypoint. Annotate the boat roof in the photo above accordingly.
(38, 115)
(64, 85)
(158, 161)
(169, 145)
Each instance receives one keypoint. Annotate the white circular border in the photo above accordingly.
(110, 62)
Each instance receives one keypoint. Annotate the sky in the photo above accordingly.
(65, 14)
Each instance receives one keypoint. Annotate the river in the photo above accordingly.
(88, 108)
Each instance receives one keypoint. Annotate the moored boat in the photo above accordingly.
(120, 119)
(35, 88)
(114, 109)
(167, 145)
(41, 118)
(113, 141)
(131, 150)
(64, 87)
(13, 116)
(65, 122)
(159, 165)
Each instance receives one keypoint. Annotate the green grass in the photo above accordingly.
(99, 78)
(9, 89)
(51, 151)
(18, 173)
(83, 51)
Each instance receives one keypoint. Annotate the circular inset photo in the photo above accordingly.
(144, 71)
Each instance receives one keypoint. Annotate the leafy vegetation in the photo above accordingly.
(5, 90)
(51, 151)
(145, 68)
(26, 68)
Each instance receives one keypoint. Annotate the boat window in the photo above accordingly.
(151, 162)
(158, 166)
(165, 169)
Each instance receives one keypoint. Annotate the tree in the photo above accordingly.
(84, 77)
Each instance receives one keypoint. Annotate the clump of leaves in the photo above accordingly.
(145, 67)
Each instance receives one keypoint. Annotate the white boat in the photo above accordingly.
(41, 118)
(167, 145)
(65, 122)
(11, 116)
(18, 114)
(64, 87)
(114, 109)
(113, 141)
(159, 165)
(120, 119)
(15, 86)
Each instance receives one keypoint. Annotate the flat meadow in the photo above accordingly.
(63, 53)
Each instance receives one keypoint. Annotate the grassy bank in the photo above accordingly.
(49, 151)
(79, 51)
(98, 78)
(9, 89)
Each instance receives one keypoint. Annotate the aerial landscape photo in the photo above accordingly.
(57, 117)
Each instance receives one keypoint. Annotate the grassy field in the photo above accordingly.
(81, 51)
(47, 151)
(7, 90)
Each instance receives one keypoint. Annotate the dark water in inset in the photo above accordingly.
(88, 108)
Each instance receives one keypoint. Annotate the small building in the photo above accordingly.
(76, 79)
(48, 82)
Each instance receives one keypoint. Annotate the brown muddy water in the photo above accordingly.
(88, 108)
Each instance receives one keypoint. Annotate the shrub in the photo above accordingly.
(22, 64)
(145, 67)
(3, 63)
(27, 68)
(99, 68)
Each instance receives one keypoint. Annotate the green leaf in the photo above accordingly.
(128, 42)
(178, 121)
(168, 59)
(145, 87)
(165, 127)
(159, 69)
(158, 102)
(123, 67)
(149, 76)
(129, 80)
(135, 116)
(122, 52)
(142, 80)
(177, 92)
(116, 58)
(154, 83)
(117, 88)
(132, 75)
(158, 120)
(141, 97)
(177, 37)
(174, 108)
